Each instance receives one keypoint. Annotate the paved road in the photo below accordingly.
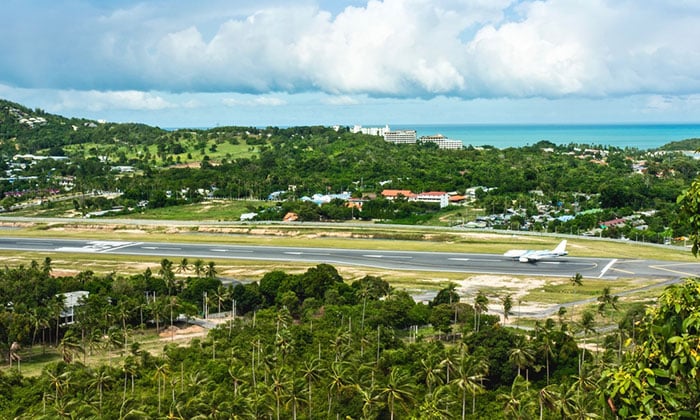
(392, 260)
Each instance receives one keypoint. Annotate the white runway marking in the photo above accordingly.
(607, 267)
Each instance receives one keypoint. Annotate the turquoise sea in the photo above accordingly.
(640, 136)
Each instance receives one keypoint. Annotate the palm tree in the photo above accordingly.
(311, 371)
(546, 341)
(507, 301)
(468, 377)
(278, 384)
(522, 355)
(587, 326)
(198, 267)
(210, 270)
(167, 274)
(576, 280)
(69, 346)
(431, 371)
(517, 404)
(184, 266)
(100, 379)
(480, 305)
(606, 299)
(222, 294)
(339, 380)
(160, 374)
(398, 388)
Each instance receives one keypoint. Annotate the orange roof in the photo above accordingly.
(396, 193)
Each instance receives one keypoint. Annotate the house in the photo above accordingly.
(71, 300)
(394, 194)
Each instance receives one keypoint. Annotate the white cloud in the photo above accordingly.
(251, 100)
(98, 101)
(388, 48)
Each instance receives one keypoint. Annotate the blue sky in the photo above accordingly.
(183, 63)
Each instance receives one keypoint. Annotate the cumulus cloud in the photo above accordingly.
(98, 101)
(250, 100)
(387, 48)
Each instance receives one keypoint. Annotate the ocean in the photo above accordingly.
(640, 136)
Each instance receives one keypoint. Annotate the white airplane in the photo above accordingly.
(524, 255)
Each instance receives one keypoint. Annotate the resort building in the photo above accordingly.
(442, 142)
(401, 136)
(372, 131)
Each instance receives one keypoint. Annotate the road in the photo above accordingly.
(390, 260)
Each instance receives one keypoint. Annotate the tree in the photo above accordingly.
(167, 274)
(522, 355)
(507, 302)
(398, 389)
(689, 212)
(606, 300)
(198, 267)
(481, 303)
(210, 270)
(468, 377)
(659, 377)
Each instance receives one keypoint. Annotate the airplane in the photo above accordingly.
(524, 255)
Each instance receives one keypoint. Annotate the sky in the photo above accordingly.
(205, 63)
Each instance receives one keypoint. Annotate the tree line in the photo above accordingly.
(313, 345)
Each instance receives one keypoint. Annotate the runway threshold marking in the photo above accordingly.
(607, 267)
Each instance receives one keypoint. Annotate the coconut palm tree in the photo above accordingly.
(198, 267)
(210, 270)
(507, 302)
(100, 379)
(183, 267)
(522, 355)
(312, 372)
(481, 303)
(469, 374)
(399, 388)
(69, 346)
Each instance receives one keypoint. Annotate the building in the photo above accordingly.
(71, 300)
(439, 197)
(442, 142)
(394, 194)
(372, 131)
(401, 136)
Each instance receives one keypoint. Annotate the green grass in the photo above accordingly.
(218, 210)
(224, 150)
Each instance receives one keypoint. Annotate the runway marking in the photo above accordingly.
(34, 243)
(98, 247)
(622, 271)
(161, 247)
(658, 267)
(126, 244)
(459, 259)
(230, 250)
(607, 267)
(393, 257)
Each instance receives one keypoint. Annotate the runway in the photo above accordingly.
(391, 260)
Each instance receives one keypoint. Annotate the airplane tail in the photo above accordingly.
(561, 248)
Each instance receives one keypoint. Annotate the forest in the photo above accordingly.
(312, 345)
(173, 168)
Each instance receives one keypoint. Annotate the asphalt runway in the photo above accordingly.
(390, 260)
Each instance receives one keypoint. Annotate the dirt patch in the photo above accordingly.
(171, 331)
(497, 286)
